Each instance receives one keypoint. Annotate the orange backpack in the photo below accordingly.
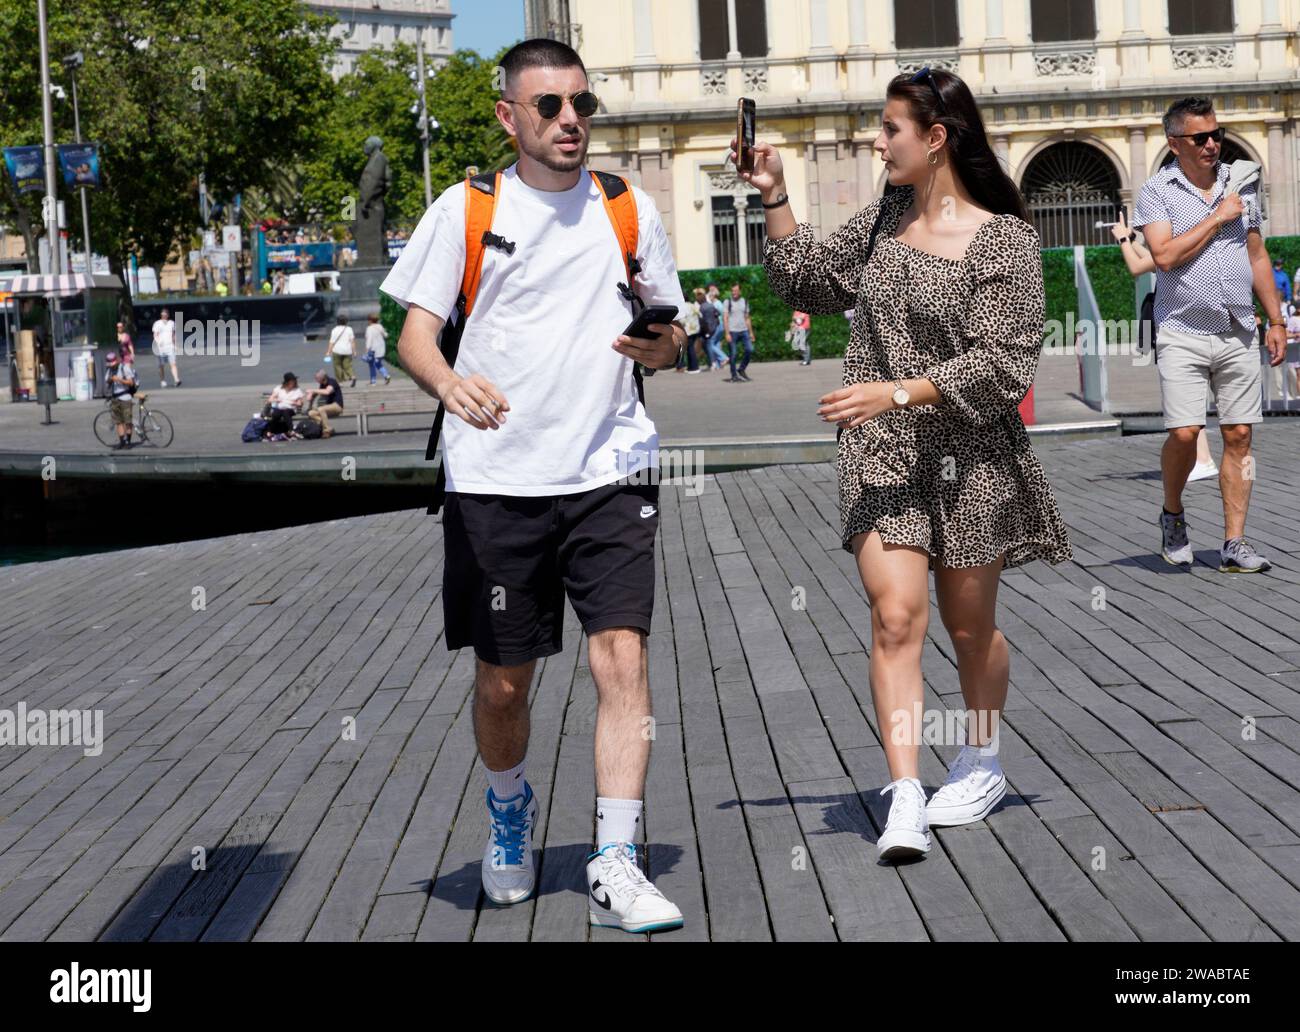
(481, 193)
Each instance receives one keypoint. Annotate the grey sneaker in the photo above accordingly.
(1174, 548)
(1237, 556)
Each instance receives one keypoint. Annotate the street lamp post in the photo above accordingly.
(424, 116)
(72, 62)
(49, 212)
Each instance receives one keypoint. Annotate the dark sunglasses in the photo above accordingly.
(924, 76)
(550, 104)
(1200, 138)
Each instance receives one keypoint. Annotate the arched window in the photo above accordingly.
(1070, 187)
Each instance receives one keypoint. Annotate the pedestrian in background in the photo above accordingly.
(164, 347)
(712, 323)
(1210, 258)
(739, 333)
(343, 345)
(800, 323)
(1139, 262)
(376, 347)
(691, 322)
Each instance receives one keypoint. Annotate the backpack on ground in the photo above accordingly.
(253, 430)
(481, 194)
(309, 429)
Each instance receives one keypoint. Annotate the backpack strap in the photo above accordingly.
(481, 194)
(620, 205)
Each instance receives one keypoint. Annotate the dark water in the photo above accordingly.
(90, 516)
(14, 555)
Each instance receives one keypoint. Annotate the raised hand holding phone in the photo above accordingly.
(767, 176)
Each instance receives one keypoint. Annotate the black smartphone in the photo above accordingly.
(745, 114)
(658, 315)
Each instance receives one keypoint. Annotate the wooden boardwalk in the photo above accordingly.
(1151, 744)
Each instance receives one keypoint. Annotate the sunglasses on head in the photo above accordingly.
(924, 76)
(1199, 139)
(550, 104)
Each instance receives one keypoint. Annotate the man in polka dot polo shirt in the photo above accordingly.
(1209, 258)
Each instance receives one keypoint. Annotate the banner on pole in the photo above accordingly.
(26, 168)
(80, 162)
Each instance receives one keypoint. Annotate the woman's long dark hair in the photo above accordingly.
(968, 144)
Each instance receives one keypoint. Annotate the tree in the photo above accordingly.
(233, 89)
(375, 99)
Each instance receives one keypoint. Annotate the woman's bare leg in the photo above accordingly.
(968, 606)
(898, 587)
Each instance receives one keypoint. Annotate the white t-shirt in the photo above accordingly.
(282, 398)
(341, 340)
(375, 337)
(164, 337)
(542, 331)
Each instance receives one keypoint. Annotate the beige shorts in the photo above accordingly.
(1191, 364)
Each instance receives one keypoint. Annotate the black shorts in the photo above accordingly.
(511, 559)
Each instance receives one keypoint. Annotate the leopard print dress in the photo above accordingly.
(959, 478)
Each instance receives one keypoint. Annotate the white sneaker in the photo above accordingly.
(975, 785)
(906, 831)
(508, 873)
(620, 896)
(1203, 471)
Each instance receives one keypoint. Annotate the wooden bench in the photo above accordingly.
(390, 403)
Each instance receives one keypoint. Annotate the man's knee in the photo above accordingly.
(615, 656)
(503, 687)
(1184, 435)
(1236, 435)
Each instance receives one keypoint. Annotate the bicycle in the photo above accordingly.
(151, 427)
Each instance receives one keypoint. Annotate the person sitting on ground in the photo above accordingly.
(285, 401)
(326, 402)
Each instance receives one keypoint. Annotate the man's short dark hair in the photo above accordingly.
(1180, 109)
(538, 53)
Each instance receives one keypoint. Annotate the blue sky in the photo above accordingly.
(486, 25)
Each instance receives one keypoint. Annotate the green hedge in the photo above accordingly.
(391, 316)
(1111, 283)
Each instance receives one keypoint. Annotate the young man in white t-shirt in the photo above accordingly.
(164, 347)
(544, 429)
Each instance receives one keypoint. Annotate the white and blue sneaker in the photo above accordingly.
(508, 872)
(620, 896)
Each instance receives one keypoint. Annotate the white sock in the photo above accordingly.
(617, 820)
(990, 752)
(506, 784)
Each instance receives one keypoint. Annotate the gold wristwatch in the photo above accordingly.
(900, 395)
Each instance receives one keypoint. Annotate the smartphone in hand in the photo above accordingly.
(655, 315)
(745, 117)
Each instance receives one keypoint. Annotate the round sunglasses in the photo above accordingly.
(550, 104)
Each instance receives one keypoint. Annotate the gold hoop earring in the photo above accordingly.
(933, 159)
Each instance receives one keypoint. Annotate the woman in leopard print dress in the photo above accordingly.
(936, 471)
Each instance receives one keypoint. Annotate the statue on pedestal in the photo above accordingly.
(376, 178)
